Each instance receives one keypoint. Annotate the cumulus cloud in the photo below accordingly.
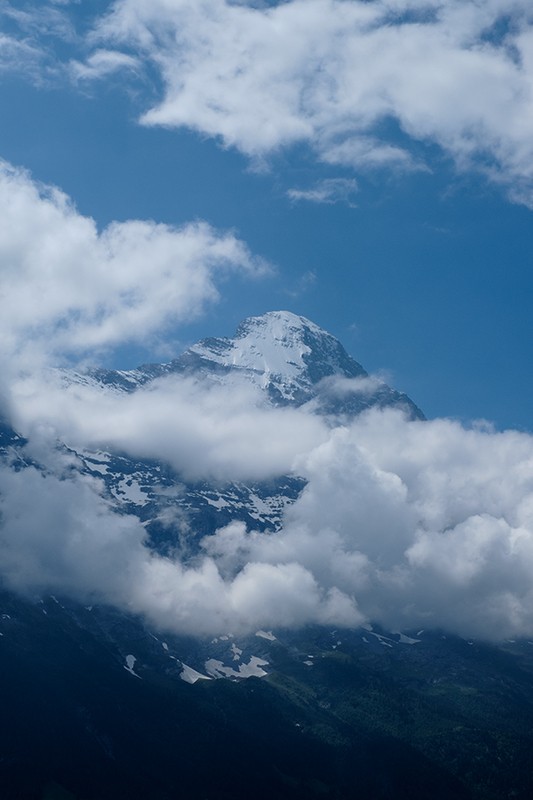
(406, 523)
(341, 76)
(423, 524)
(411, 524)
(68, 288)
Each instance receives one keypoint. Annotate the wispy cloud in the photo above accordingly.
(29, 38)
(19, 56)
(303, 284)
(102, 63)
(329, 191)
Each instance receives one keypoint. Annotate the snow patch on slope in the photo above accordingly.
(190, 675)
(253, 669)
(273, 352)
(130, 663)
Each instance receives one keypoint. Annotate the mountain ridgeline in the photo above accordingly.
(292, 360)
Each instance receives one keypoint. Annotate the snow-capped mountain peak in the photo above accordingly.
(278, 342)
(288, 358)
(282, 352)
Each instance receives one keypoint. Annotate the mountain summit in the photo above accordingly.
(291, 359)
(283, 353)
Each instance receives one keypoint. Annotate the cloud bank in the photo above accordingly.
(70, 541)
(412, 524)
(359, 82)
(423, 524)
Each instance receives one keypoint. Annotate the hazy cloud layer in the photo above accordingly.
(203, 430)
(342, 75)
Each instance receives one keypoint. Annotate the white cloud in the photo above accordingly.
(203, 430)
(406, 523)
(332, 74)
(67, 537)
(423, 524)
(36, 21)
(69, 288)
(69, 540)
(102, 63)
(329, 191)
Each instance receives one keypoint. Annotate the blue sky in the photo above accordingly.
(395, 212)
